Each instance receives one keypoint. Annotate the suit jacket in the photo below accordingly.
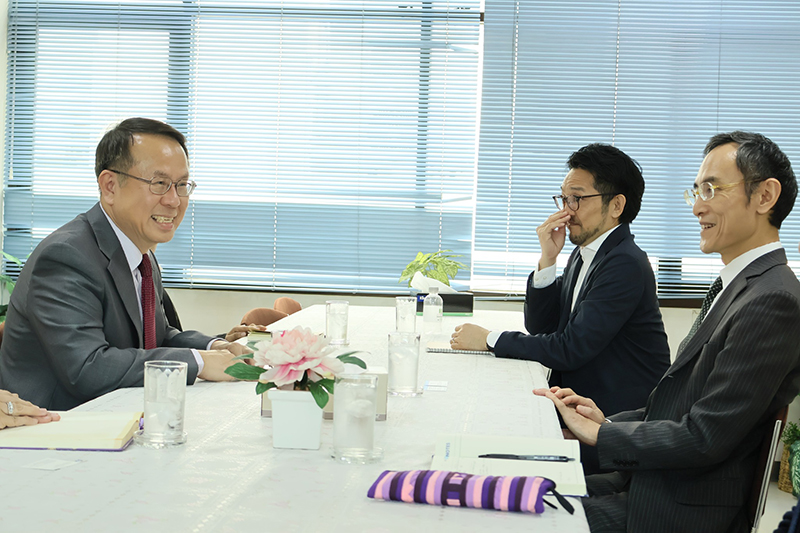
(73, 330)
(691, 453)
(612, 346)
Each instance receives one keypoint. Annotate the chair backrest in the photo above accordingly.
(287, 305)
(758, 495)
(262, 316)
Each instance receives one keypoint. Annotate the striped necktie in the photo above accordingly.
(712, 293)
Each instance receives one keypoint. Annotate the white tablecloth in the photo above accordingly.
(228, 478)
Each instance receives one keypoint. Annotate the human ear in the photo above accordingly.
(108, 183)
(766, 195)
(618, 205)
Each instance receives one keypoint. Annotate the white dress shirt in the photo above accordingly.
(134, 258)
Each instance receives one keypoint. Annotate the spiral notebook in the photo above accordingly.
(442, 347)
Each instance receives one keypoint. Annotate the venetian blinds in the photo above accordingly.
(331, 141)
(656, 79)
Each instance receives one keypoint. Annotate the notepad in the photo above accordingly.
(459, 453)
(442, 347)
(77, 430)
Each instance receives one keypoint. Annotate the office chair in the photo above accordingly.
(766, 459)
(262, 316)
(287, 305)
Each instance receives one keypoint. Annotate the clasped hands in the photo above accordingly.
(581, 415)
(219, 357)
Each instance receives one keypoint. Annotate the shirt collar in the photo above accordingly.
(132, 253)
(590, 250)
(735, 267)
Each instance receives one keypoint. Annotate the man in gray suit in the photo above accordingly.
(77, 326)
(686, 461)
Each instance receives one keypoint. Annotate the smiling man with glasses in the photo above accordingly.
(87, 310)
(598, 326)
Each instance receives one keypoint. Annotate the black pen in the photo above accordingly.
(553, 458)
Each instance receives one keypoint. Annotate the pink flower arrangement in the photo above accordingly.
(294, 356)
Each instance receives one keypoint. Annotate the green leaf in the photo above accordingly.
(244, 371)
(12, 258)
(261, 388)
(319, 393)
(346, 358)
(242, 357)
(327, 384)
(794, 467)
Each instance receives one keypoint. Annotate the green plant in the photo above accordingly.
(791, 433)
(8, 283)
(438, 265)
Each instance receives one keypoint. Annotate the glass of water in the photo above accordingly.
(403, 363)
(406, 313)
(336, 321)
(164, 404)
(354, 403)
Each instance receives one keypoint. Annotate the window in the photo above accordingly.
(331, 141)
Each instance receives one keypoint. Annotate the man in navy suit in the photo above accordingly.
(686, 461)
(598, 326)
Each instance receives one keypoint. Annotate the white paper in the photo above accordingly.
(423, 284)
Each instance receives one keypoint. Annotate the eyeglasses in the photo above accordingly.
(161, 186)
(574, 202)
(705, 191)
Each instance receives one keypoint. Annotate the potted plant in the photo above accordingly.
(296, 368)
(789, 470)
(437, 265)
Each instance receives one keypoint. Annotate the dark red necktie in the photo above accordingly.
(148, 303)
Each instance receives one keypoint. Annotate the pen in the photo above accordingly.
(554, 458)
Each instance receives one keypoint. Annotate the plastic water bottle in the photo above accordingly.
(432, 312)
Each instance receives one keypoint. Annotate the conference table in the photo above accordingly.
(228, 478)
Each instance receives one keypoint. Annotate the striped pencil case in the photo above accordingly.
(438, 487)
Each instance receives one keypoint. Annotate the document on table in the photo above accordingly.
(460, 453)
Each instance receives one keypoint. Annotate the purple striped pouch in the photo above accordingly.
(503, 493)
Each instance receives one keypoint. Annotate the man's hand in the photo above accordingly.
(584, 406)
(469, 337)
(585, 429)
(237, 332)
(552, 235)
(214, 364)
(234, 347)
(22, 413)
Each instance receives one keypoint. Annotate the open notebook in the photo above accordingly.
(443, 347)
(459, 453)
(77, 430)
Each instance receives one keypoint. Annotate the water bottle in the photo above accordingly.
(432, 312)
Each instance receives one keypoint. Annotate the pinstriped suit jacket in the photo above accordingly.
(73, 330)
(692, 451)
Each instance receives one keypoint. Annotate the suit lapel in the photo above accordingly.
(720, 308)
(117, 264)
(617, 236)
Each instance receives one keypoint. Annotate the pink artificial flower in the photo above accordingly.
(293, 353)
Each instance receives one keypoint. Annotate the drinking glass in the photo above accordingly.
(336, 321)
(406, 313)
(354, 404)
(164, 404)
(403, 363)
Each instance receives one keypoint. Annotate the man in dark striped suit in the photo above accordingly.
(686, 461)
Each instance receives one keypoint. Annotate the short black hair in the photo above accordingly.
(614, 172)
(114, 149)
(758, 159)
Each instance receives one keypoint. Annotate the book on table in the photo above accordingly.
(77, 430)
(556, 459)
(444, 347)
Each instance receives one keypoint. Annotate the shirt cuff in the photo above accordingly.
(544, 278)
(199, 359)
(491, 339)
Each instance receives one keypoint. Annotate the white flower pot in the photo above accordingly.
(296, 420)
